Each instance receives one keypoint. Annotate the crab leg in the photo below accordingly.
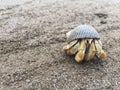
(72, 47)
(71, 44)
(100, 53)
(73, 50)
(91, 51)
(81, 51)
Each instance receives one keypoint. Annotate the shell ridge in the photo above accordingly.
(83, 31)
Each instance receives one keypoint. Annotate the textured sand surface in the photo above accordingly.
(32, 35)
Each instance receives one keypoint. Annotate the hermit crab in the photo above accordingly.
(84, 42)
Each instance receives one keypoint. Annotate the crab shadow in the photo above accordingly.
(94, 63)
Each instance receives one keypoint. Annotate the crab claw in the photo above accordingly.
(81, 52)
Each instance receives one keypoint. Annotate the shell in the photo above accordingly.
(83, 32)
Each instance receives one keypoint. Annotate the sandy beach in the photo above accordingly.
(32, 34)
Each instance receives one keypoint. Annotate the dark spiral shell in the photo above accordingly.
(83, 32)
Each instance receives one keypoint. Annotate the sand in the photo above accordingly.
(32, 35)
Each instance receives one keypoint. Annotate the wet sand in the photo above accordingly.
(32, 35)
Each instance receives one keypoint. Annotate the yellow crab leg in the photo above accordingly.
(81, 51)
(72, 47)
(91, 51)
(73, 50)
(101, 54)
(67, 47)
